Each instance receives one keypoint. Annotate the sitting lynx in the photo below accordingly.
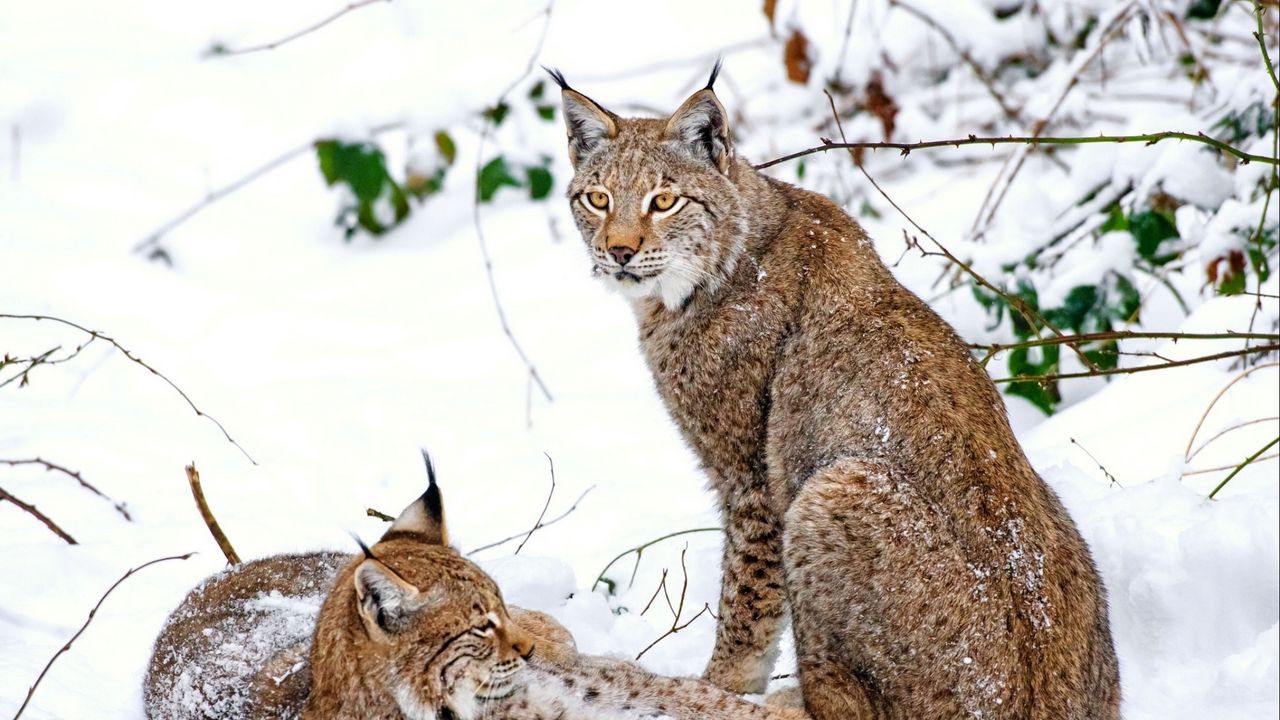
(865, 465)
(411, 630)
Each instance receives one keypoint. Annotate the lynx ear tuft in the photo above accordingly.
(715, 73)
(587, 123)
(425, 515)
(700, 128)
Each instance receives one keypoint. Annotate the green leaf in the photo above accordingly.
(1115, 220)
(547, 112)
(445, 145)
(1043, 395)
(1204, 9)
(497, 113)
(493, 176)
(1232, 284)
(360, 166)
(535, 92)
(1150, 229)
(540, 182)
(1076, 308)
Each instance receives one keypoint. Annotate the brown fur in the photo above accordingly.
(864, 461)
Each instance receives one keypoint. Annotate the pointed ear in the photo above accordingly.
(587, 123)
(385, 601)
(424, 516)
(701, 128)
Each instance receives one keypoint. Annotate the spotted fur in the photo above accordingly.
(867, 473)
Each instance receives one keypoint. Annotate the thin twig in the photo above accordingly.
(379, 514)
(475, 210)
(844, 43)
(662, 586)
(964, 54)
(1034, 319)
(1018, 159)
(1230, 429)
(1220, 468)
(548, 523)
(550, 494)
(41, 359)
(1186, 455)
(219, 51)
(1097, 462)
(85, 626)
(152, 241)
(639, 551)
(676, 625)
(33, 512)
(211, 522)
(1247, 461)
(1259, 34)
(134, 358)
(906, 148)
(1083, 338)
(75, 475)
(1142, 368)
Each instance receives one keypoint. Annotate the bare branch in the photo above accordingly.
(676, 625)
(152, 241)
(33, 512)
(1259, 349)
(1203, 416)
(550, 494)
(85, 626)
(906, 148)
(639, 551)
(475, 209)
(220, 51)
(548, 523)
(380, 515)
(134, 358)
(1097, 462)
(75, 475)
(981, 73)
(1230, 429)
(211, 522)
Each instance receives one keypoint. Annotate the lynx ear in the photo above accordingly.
(701, 127)
(424, 516)
(385, 601)
(588, 124)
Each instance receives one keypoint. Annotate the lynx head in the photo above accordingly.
(431, 623)
(655, 198)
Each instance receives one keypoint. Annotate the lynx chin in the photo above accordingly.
(868, 478)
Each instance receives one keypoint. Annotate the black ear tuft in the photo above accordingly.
(715, 72)
(558, 77)
(431, 498)
(363, 548)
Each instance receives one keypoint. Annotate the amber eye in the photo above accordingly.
(663, 202)
(598, 200)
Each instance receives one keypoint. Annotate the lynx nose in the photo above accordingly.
(622, 254)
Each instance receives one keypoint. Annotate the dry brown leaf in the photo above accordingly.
(879, 103)
(771, 7)
(797, 58)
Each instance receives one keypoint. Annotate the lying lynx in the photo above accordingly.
(865, 465)
(411, 630)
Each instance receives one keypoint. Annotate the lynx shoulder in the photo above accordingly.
(867, 472)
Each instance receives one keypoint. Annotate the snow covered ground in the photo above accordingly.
(332, 363)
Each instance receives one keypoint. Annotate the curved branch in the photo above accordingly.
(906, 148)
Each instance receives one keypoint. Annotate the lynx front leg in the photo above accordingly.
(752, 596)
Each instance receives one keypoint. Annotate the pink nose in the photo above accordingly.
(622, 254)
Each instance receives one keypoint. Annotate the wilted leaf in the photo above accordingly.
(796, 56)
(881, 105)
(770, 8)
(448, 150)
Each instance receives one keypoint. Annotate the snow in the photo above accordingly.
(332, 363)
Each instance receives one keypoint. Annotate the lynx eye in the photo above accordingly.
(663, 202)
(598, 200)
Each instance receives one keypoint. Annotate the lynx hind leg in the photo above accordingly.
(888, 613)
(280, 688)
